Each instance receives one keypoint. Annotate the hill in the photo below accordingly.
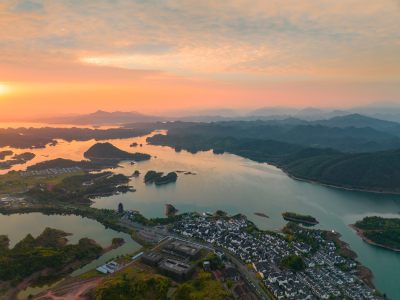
(361, 121)
(380, 231)
(293, 131)
(107, 151)
(376, 171)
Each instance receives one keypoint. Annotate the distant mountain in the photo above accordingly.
(383, 111)
(274, 111)
(309, 113)
(295, 131)
(360, 121)
(105, 118)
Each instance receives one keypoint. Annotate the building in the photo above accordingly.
(120, 208)
(108, 268)
(231, 274)
(151, 258)
(207, 266)
(175, 269)
(184, 249)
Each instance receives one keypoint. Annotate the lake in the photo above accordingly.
(235, 185)
(18, 226)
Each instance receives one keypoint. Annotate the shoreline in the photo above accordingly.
(364, 273)
(361, 234)
(339, 187)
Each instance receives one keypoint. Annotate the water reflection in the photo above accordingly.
(238, 185)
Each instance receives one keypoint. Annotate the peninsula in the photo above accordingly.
(381, 232)
(43, 259)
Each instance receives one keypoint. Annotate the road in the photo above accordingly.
(161, 235)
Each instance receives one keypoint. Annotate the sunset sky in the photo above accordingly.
(155, 56)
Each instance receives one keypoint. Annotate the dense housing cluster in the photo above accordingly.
(322, 276)
(50, 172)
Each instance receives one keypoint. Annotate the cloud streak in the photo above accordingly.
(224, 42)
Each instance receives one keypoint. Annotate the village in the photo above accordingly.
(325, 274)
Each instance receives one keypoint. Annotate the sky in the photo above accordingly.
(156, 56)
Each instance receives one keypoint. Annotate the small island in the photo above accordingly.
(159, 179)
(141, 156)
(381, 232)
(5, 153)
(107, 151)
(186, 172)
(136, 173)
(297, 218)
(260, 214)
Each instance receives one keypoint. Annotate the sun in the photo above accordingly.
(4, 89)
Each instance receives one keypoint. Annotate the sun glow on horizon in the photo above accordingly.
(4, 89)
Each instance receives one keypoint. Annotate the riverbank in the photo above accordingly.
(339, 187)
(361, 234)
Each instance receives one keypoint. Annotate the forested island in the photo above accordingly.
(378, 231)
(107, 151)
(159, 179)
(298, 218)
(5, 153)
(17, 159)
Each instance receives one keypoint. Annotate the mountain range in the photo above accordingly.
(101, 117)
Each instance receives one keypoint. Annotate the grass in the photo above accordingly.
(91, 274)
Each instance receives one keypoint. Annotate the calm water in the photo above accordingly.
(238, 185)
(17, 226)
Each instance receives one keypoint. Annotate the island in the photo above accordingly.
(381, 232)
(107, 151)
(297, 218)
(260, 214)
(17, 159)
(136, 173)
(186, 172)
(5, 153)
(138, 156)
(159, 179)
